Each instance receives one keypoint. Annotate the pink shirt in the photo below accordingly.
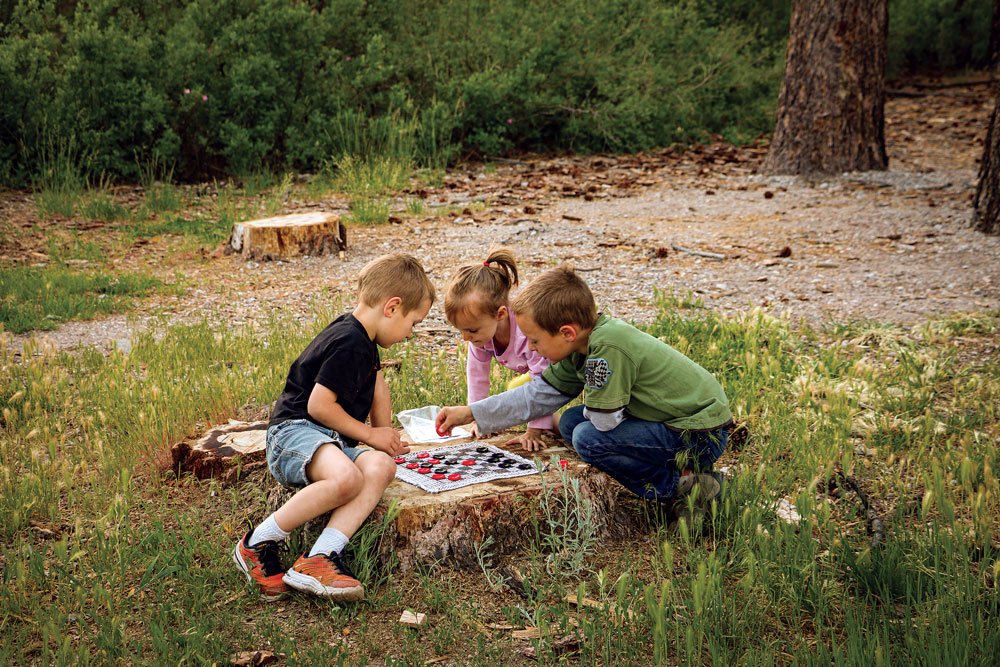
(516, 357)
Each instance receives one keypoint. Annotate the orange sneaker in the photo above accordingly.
(261, 564)
(325, 575)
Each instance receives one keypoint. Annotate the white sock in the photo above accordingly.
(267, 530)
(330, 541)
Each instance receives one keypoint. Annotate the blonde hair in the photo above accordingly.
(395, 275)
(555, 298)
(492, 280)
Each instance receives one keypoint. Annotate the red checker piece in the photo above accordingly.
(423, 455)
(469, 462)
(433, 462)
(400, 459)
(454, 476)
(424, 471)
(412, 466)
(438, 475)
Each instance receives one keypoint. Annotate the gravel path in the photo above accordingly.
(889, 246)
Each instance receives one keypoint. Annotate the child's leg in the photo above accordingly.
(321, 570)
(377, 471)
(569, 420)
(639, 454)
(333, 479)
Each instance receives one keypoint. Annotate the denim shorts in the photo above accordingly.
(292, 444)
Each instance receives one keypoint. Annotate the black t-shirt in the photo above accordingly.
(343, 359)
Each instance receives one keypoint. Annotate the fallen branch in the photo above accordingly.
(874, 523)
(700, 253)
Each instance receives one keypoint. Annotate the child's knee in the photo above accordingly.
(379, 469)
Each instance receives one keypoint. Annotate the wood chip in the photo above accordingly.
(527, 633)
(412, 619)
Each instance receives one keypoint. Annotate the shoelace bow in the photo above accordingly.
(270, 556)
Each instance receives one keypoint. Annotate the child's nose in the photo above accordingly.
(466, 337)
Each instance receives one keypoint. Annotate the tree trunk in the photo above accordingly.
(986, 205)
(831, 111)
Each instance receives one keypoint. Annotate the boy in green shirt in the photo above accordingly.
(651, 418)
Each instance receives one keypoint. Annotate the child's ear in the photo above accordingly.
(502, 313)
(568, 332)
(391, 306)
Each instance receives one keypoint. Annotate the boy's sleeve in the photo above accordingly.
(563, 377)
(609, 375)
(536, 364)
(517, 406)
(477, 373)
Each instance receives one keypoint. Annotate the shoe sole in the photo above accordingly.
(242, 564)
(305, 583)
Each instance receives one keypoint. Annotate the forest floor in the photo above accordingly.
(891, 246)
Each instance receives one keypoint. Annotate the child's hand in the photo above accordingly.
(475, 431)
(386, 439)
(449, 418)
(531, 441)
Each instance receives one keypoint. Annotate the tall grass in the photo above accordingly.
(41, 298)
(105, 558)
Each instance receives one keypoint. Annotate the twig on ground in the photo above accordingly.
(874, 523)
(700, 253)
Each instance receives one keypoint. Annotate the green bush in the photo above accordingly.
(938, 34)
(214, 88)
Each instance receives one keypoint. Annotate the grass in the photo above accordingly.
(41, 298)
(107, 558)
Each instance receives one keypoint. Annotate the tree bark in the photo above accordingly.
(831, 110)
(986, 205)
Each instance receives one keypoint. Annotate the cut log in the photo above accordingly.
(429, 528)
(289, 236)
(451, 526)
(224, 452)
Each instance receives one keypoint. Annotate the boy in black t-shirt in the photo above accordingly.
(334, 386)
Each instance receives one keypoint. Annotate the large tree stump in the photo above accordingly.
(451, 526)
(289, 236)
(429, 528)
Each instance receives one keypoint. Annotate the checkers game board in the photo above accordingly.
(455, 466)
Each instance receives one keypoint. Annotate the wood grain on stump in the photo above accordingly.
(430, 527)
(314, 233)
(223, 452)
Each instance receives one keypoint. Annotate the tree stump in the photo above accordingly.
(224, 452)
(289, 236)
(429, 528)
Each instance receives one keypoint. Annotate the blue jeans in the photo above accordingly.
(646, 457)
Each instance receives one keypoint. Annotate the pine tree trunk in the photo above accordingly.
(994, 46)
(831, 111)
(986, 205)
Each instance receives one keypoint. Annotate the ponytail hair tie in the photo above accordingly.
(486, 264)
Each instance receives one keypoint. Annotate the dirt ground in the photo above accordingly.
(890, 246)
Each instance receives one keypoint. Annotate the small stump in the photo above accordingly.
(223, 452)
(289, 236)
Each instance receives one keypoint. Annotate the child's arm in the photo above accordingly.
(381, 414)
(510, 408)
(531, 440)
(324, 408)
(477, 374)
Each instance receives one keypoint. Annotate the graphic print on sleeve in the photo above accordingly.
(597, 372)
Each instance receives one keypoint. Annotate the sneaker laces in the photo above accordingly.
(338, 562)
(269, 553)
